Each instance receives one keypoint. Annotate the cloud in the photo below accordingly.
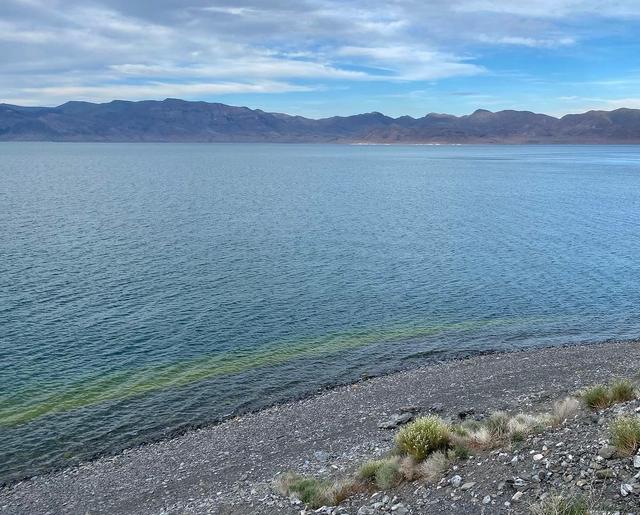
(527, 41)
(551, 8)
(209, 48)
(411, 64)
(53, 95)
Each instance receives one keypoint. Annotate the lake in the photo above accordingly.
(150, 288)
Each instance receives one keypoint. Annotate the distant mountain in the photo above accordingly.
(173, 120)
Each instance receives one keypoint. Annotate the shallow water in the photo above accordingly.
(147, 288)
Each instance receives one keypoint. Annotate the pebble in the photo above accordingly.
(626, 489)
(486, 500)
(537, 457)
(607, 452)
(517, 496)
(468, 486)
(455, 481)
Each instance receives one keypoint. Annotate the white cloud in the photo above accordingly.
(172, 48)
(54, 95)
(552, 8)
(412, 64)
(527, 41)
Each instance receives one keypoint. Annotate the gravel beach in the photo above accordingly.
(229, 468)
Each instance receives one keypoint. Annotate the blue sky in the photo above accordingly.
(324, 57)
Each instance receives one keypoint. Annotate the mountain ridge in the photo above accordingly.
(175, 120)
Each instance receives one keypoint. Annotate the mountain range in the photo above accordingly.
(174, 120)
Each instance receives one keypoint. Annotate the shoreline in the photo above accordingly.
(437, 358)
(290, 435)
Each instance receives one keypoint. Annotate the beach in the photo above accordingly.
(230, 467)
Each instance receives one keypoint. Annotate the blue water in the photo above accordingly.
(149, 288)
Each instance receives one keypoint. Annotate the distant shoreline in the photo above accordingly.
(174, 121)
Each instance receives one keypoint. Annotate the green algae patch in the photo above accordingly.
(29, 405)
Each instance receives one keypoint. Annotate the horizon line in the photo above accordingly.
(168, 99)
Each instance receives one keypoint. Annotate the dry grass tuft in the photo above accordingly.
(622, 391)
(498, 425)
(434, 467)
(315, 492)
(559, 505)
(597, 397)
(625, 434)
(384, 473)
(409, 468)
(563, 411)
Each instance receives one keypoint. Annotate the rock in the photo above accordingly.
(605, 473)
(409, 409)
(514, 460)
(468, 486)
(321, 455)
(486, 499)
(537, 457)
(365, 510)
(396, 420)
(437, 407)
(626, 489)
(455, 481)
(399, 509)
(465, 413)
(607, 452)
(517, 496)
(636, 461)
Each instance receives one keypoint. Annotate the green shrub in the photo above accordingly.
(622, 391)
(384, 473)
(388, 475)
(423, 436)
(461, 451)
(369, 469)
(625, 434)
(597, 397)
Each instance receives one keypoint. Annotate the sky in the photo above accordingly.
(320, 58)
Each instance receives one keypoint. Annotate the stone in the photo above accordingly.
(468, 486)
(396, 420)
(514, 460)
(517, 496)
(321, 455)
(626, 489)
(437, 407)
(465, 413)
(636, 461)
(605, 473)
(486, 499)
(537, 457)
(409, 409)
(455, 481)
(365, 510)
(607, 452)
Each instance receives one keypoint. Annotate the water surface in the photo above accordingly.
(147, 288)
